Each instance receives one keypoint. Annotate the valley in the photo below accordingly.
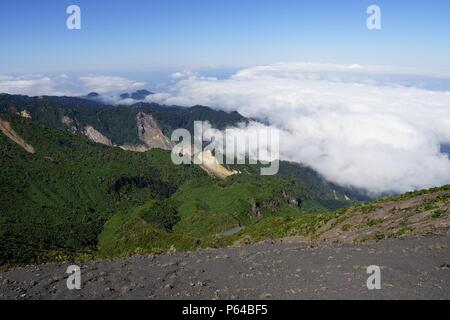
(144, 228)
(78, 198)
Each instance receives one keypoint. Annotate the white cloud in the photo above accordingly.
(369, 127)
(35, 85)
(182, 74)
(26, 86)
(107, 84)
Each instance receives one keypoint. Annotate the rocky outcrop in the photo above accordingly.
(150, 133)
(291, 200)
(134, 148)
(273, 205)
(5, 127)
(25, 114)
(68, 122)
(209, 163)
(256, 210)
(212, 166)
(96, 136)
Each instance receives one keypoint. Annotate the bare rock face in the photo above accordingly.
(134, 148)
(212, 166)
(25, 114)
(66, 120)
(150, 133)
(273, 205)
(96, 136)
(69, 123)
(291, 200)
(5, 127)
(209, 163)
(255, 208)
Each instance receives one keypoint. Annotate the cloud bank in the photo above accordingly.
(62, 84)
(374, 128)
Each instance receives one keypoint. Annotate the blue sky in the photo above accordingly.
(136, 36)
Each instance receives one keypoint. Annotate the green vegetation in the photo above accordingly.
(438, 213)
(55, 202)
(74, 199)
(118, 123)
(127, 233)
(427, 207)
(346, 227)
(206, 209)
(77, 199)
(374, 222)
(378, 236)
(368, 208)
(162, 213)
(279, 227)
(414, 194)
(402, 231)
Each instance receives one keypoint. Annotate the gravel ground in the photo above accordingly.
(289, 269)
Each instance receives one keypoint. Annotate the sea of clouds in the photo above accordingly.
(376, 128)
(67, 85)
(380, 129)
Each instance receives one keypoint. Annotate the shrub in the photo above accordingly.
(438, 213)
(162, 213)
(374, 222)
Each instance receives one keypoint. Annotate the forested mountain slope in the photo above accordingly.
(54, 203)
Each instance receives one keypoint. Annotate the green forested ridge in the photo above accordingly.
(59, 198)
(55, 203)
(118, 123)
